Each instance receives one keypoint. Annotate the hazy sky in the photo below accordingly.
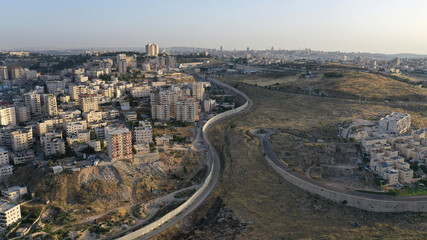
(385, 26)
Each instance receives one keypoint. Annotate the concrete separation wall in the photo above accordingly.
(368, 204)
(213, 168)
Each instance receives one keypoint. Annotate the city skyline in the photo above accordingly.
(365, 26)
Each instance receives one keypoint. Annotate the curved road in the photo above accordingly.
(213, 169)
(266, 146)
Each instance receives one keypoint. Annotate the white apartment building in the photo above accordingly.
(122, 66)
(75, 127)
(88, 102)
(131, 116)
(83, 136)
(198, 90)
(4, 156)
(50, 105)
(22, 139)
(123, 62)
(75, 90)
(6, 170)
(9, 213)
(7, 116)
(54, 146)
(186, 111)
(46, 137)
(140, 91)
(33, 101)
(15, 192)
(160, 112)
(55, 86)
(96, 145)
(163, 140)
(23, 114)
(48, 125)
(23, 156)
(93, 116)
(389, 144)
(396, 122)
(143, 133)
(152, 50)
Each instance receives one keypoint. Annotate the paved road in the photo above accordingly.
(214, 168)
(266, 146)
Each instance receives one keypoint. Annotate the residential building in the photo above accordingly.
(76, 90)
(32, 100)
(119, 143)
(88, 102)
(48, 125)
(140, 91)
(160, 112)
(55, 146)
(9, 213)
(4, 157)
(163, 140)
(96, 145)
(198, 90)
(396, 122)
(23, 114)
(5, 170)
(7, 116)
(22, 139)
(82, 136)
(143, 133)
(131, 116)
(75, 127)
(50, 105)
(152, 50)
(15, 192)
(186, 111)
(122, 66)
(93, 116)
(23, 156)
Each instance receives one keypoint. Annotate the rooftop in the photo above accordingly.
(6, 206)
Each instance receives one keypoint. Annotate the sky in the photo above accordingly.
(376, 26)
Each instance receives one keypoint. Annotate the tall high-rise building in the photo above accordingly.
(76, 90)
(88, 102)
(4, 75)
(32, 100)
(22, 139)
(123, 62)
(52, 143)
(122, 66)
(186, 110)
(160, 111)
(119, 143)
(7, 116)
(50, 106)
(198, 90)
(152, 50)
(23, 114)
(16, 72)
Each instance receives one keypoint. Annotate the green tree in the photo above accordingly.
(92, 135)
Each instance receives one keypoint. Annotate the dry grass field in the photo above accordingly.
(356, 85)
(275, 209)
(267, 205)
